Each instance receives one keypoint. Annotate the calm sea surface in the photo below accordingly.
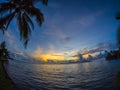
(99, 74)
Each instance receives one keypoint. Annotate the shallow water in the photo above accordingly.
(99, 74)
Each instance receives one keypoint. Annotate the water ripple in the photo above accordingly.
(82, 76)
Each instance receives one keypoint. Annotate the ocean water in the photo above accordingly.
(96, 75)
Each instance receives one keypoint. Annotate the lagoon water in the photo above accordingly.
(99, 74)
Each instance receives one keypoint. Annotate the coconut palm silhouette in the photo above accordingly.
(22, 11)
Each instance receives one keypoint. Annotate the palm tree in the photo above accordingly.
(22, 10)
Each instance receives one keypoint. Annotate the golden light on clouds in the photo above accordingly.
(85, 56)
(50, 55)
(39, 54)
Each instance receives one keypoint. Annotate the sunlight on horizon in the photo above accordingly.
(55, 56)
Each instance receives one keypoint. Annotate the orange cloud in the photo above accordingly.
(51, 55)
(86, 56)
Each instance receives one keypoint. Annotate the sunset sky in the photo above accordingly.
(70, 27)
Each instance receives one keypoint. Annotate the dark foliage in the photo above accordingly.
(118, 16)
(118, 31)
(4, 54)
(22, 10)
(113, 55)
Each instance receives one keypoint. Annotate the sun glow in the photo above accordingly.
(57, 56)
(86, 56)
(50, 55)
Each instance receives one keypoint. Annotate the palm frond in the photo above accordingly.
(23, 9)
(118, 16)
(35, 12)
(24, 28)
(20, 24)
(45, 2)
(5, 21)
(6, 7)
(11, 16)
(3, 29)
(27, 30)
(28, 19)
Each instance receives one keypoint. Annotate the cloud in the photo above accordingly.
(51, 54)
(11, 40)
(85, 52)
(57, 33)
(98, 48)
(63, 27)
(45, 56)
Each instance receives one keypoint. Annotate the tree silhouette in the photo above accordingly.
(118, 31)
(4, 54)
(22, 11)
(117, 80)
(118, 16)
